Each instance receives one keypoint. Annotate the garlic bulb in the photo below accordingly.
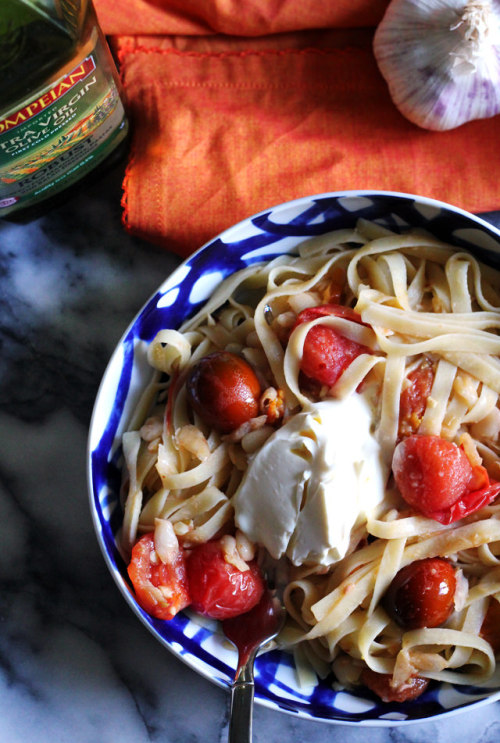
(441, 59)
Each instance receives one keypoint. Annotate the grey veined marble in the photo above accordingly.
(75, 663)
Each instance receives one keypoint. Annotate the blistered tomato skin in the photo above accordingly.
(422, 593)
(224, 391)
(430, 472)
(435, 477)
(326, 352)
(218, 589)
(380, 684)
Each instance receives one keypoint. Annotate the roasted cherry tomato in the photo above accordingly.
(380, 684)
(224, 390)
(219, 589)
(413, 399)
(430, 472)
(435, 477)
(326, 352)
(161, 589)
(490, 629)
(422, 593)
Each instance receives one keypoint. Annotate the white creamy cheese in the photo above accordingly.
(314, 479)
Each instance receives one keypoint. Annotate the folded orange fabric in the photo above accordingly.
(224, 127)
(233, 17)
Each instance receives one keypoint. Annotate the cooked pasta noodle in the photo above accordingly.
(421, 301)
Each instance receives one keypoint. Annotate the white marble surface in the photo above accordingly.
(75, 663)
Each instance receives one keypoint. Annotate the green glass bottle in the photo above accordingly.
(61, 111)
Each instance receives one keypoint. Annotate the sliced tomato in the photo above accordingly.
(161, 589)
(413, 399)
(435, 477)
(218, 589)
(326, 352)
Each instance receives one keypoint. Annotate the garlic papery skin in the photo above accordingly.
(441, 60)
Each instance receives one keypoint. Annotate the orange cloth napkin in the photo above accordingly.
(238, 107)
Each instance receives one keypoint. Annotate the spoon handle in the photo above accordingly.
(242, 691)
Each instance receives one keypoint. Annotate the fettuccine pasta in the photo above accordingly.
(427, 311)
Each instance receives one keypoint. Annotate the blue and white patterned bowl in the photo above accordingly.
(273, 232)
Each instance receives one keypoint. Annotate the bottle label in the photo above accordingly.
(58, 135)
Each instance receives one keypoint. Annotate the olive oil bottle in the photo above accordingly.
(61, 111)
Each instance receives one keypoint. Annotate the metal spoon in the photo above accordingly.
(250, 632)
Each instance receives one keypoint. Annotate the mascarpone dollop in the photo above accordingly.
(315, 479)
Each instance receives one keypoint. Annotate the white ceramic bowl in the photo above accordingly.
(272, 232)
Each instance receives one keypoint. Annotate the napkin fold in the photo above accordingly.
(234, 111)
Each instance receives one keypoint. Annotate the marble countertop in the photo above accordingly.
(75, 663)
